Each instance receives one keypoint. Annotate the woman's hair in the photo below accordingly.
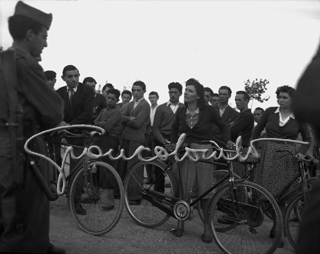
(199, 90)
(286, 89)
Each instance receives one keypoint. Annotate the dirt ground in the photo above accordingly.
(128, 237)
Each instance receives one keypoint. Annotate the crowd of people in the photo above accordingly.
(201, 115)
(33, 104)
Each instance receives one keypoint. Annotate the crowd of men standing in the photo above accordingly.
(139, 123)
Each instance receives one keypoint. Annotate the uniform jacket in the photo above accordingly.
(40, 103)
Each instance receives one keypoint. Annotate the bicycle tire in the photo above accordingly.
(251, 228)
(217, 176)
(146, 214)
(292, 219)
(90, 189)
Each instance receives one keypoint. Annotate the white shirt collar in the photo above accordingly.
(282, 122)
(173, 107)
(138, 100)
(291, 115)
(169, 103)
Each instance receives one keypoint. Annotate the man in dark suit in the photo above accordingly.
(78, 98)
(227, 113)
(99, 101)
(78, 104)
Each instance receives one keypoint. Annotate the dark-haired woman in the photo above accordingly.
(277, 167)
(195, 120)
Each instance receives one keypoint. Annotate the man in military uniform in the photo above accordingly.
(24, 208)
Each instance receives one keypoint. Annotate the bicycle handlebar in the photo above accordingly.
(251, 150)
(61, 177)
(160, 152)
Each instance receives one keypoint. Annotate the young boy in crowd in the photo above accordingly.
(110, 119)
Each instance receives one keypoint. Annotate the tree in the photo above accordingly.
(255, 89)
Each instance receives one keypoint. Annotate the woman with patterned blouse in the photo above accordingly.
(196, 120)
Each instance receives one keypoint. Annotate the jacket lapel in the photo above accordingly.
(76, 98)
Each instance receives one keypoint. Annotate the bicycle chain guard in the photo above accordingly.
(182, 210)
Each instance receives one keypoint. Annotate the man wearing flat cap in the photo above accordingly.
(27, 106)
(51, 77)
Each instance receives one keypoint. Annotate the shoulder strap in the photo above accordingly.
(15, 126)
(9, 72)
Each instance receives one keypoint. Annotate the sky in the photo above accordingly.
(158, 42)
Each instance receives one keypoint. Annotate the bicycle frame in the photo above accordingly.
(166, 202)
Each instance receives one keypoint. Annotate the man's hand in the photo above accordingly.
(132, 118)
(165, 141)
(300, 156)
(63, 123)
(230, 124)
(230, 145)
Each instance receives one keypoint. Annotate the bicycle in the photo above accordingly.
(292, 215)
(294, 208)
(88, 183)
(249, 228)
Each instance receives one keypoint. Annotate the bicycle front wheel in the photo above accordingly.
(240, 225)
(142, 209)
(91, 198)
(292, 219)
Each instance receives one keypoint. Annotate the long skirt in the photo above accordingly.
(195, 176)
(277, 169)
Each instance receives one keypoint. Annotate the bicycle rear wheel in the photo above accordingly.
(93, 190)
(292, 219)
(144, 212)
(247, 228)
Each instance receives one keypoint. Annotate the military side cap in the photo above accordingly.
(50, 74)
(25, 10)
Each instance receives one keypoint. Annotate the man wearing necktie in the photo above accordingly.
(78, 103)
